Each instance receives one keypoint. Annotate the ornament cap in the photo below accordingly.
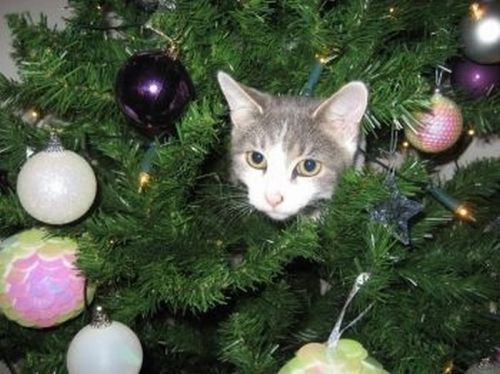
(485, 363)
(99, 318)
(172, 51)
(54, 144)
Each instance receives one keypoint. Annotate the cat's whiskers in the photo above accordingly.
(290, 151)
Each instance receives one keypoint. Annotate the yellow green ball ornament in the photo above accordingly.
(347, 357)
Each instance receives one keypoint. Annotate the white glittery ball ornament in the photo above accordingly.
(104, 347)
(56, 186)
(436, 130)
(486, 366)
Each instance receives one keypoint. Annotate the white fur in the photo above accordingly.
(277, 179)
(345, 109)
(276, 191)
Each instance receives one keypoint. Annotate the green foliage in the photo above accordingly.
(208, 284)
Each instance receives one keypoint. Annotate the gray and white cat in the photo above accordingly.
(290, 151)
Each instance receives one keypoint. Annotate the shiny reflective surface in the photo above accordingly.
(152, 90)
(473, 78)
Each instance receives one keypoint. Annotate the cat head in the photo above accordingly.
(290, 151)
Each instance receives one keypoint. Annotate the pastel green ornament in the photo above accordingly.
(348, 357)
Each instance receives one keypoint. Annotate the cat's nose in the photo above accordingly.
(274, 199)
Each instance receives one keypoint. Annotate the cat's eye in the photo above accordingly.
(256, 160)
(308, 168)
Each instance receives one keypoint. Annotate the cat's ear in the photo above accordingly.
(245, 102)
(342, 112)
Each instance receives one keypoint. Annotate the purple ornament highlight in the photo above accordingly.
(475, 79)
(152, 90)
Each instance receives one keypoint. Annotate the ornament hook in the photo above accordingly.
(99, 318)
(172, 50)
(54, 144)
(439, 72)
(337, 332)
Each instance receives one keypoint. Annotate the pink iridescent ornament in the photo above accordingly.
(437, 130)
(39, 283)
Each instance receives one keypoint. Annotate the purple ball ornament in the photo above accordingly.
(152, 90)
(475, 79)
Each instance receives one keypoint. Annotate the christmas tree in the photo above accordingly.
(170, 247)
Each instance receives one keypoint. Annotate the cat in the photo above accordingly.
(289, 151)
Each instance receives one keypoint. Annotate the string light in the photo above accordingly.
(465, 213)
(448, 367)
(477, 11)
(144, 180)
(323, 59)
(146, 165)
(34, 114)
(460, 209)
(392, 10)
(471, 132)
(406, 144)
(315, 74)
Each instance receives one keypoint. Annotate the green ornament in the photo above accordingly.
(348, 357)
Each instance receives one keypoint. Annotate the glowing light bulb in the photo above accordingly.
(448, 367)
(144, 180)
(463, 212)
(406, 144)
(488, 31)
(321, 59)
(476, 11)
(471, 132)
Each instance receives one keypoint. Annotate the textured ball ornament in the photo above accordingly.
(56, 186)
(104, 347)
(437, 130)
(39, 283)
(486, 366)
(475, 79)
(481, 32)
(152, 90)
(348, 357)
